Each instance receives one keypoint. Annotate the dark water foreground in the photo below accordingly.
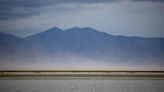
(81, 84)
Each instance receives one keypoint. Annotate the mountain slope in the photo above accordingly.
(9, 46)
(92, 43)
(82, 45)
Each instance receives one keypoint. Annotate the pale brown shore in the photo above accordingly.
(80, 73)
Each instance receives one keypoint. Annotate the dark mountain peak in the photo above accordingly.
(5, 35)
(93, 31)
(54, 29)
(74, 29)
(2, 34)
(50, 32)
(89, 28)
(81, 29)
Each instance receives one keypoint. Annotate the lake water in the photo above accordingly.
(84, 84)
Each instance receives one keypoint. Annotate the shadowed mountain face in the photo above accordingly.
(76, 46)
(9, 46)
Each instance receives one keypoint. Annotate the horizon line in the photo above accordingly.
(81, 73)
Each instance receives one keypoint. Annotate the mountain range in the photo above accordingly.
(57, 45)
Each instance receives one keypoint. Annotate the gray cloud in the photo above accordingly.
(35, 3)
(11, 9)
(151, 0)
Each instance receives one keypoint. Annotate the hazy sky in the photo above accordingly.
(119, 17)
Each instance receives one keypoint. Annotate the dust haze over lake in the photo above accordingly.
(79, 63)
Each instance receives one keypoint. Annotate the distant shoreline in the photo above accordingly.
(80, 73)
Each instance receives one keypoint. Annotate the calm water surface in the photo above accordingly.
(77, 84)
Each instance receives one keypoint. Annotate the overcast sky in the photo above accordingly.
(119, 17)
